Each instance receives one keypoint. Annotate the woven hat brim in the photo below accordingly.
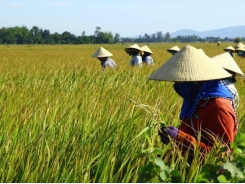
(229, 48)
(240, 49)
(175, 48)
(145, 48)
(226, 61)
(239, 45)
(189, 64)
(135, 46)
(102, 52)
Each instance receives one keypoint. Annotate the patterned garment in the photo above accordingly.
(230, 85)
(208, 114)
(215, 119)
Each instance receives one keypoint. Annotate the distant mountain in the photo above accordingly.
(230, 32)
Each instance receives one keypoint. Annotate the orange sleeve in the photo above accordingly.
(187, 141)
(216, 120)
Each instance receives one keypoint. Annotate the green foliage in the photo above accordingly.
(227, 169)
(218, 169)
(36, 35)
(237, 40)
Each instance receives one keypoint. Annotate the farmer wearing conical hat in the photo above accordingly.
(103, 56)
(207, 108)
(173, 50)
(240, 51)
(135, 51)
(146, 57)
(226, 61)
(230, 50)
(240, 44)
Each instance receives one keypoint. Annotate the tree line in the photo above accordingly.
(36, 35)
(22, 35)
(160, 37)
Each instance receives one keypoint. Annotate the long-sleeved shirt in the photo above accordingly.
(148, 60)
(215, 119)
(108, 63)
(136, 61)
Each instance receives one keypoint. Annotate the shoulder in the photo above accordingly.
(138, 57)
(109, 60)
(149, 57)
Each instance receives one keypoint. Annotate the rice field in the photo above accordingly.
(64, 119)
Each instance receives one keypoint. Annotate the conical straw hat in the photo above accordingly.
(135, 46)
(240, 44)
(240, 49)
(189, 64)
(145, 48)
(175, 48)
(226, 61)
(229, 48)
(201, 51)
(101, 52)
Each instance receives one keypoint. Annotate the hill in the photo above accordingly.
(230, 32)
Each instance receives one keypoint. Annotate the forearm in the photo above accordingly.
(185, 140)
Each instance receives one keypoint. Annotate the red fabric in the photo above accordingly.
(213, 118)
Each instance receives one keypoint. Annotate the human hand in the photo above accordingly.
(166, 132)
(163, 135)
(172, 131)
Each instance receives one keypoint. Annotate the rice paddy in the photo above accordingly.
(64, 119)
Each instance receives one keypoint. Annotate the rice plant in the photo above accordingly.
(64, 119)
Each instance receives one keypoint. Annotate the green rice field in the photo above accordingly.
(64, 119)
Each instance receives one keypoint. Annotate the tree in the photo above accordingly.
(147, 38)
(154, 37)
(167, 36)
(56, 37)
(8, 35)
(105, 37)
(237, 40)
(47, 37)
(84, 39)
(96, 33)
(35, 35)
(67, 37)
(159, 36)
(116, 38)
(21, 34)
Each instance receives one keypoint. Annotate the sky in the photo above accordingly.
(128, 18)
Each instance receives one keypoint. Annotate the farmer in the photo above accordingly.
(173, 50)
(103, 56)
(230, 50)
(207, 108)
(146, 57)
(238, 45)
(136, 52)
(240, 51)
(229, 64)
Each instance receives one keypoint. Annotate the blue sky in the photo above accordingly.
(126, 17)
